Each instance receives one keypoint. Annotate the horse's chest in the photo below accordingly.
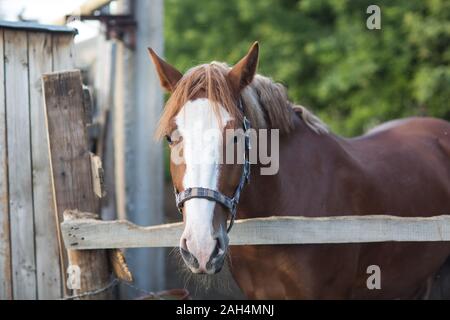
(261, 273)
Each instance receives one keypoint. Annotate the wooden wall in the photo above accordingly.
(29, 250)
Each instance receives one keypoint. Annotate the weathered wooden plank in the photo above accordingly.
(19, 165)
(90, 234)
(65, 118)
(5, 249)
(63, 52)
(48, 269)
(71, 168)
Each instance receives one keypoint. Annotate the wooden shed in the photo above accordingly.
(30, 265)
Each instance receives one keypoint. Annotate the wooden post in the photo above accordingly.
(71, 169)
(138, 157)
(147, 198)
(123, 121)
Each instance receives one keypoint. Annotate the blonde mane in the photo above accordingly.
(265, 102)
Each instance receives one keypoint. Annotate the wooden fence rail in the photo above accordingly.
(95, 234)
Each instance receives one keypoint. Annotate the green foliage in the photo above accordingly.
(354, 78)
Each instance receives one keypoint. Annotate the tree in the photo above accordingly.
(354, 78)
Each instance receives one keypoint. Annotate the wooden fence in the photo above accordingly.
(93, 234)
(29, 251)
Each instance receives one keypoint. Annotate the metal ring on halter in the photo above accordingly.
(217, 196)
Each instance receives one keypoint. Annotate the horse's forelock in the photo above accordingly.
(204, 81)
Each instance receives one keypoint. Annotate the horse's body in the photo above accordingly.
(401, 169)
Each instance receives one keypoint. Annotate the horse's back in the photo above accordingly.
(413, 125)
(415, 151)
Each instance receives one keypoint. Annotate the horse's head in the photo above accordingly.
(204, 104)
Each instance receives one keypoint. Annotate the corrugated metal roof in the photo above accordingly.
(33, 26)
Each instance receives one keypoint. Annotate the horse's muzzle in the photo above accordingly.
(214, 263)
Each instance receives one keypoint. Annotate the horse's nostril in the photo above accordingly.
(195, 263)
(189, 257)
(186, 254)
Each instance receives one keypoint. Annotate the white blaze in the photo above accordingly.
(202, 142)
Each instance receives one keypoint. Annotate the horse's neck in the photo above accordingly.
(306, 164)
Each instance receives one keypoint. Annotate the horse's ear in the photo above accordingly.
(168, 75)
(243, 72)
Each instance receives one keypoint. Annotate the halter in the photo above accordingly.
(217, 196)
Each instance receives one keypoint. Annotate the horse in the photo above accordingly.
(400, 168)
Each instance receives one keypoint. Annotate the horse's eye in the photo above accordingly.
(169, 139)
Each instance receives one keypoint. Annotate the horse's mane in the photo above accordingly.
(265, 102)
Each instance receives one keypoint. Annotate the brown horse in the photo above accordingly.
(400, 168)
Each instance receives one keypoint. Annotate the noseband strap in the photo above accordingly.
(217, 196)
